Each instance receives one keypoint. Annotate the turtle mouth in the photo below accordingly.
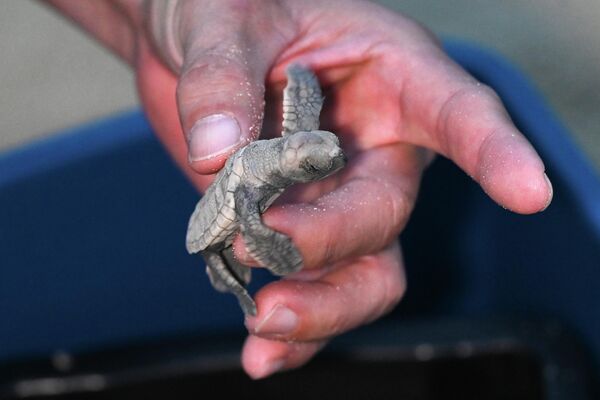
(336, 162)
(342, 159)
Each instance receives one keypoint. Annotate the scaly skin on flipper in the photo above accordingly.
(224, 281)
(302, 101)
(270, 248)
(253, 177)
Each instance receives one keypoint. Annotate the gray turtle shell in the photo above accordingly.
(214, 219)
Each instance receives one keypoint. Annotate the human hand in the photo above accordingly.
(393, 97)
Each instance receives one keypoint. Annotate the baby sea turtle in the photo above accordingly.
(253, 177)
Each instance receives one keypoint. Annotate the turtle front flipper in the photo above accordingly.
(302, 101)
(273, 250)
(224, 280)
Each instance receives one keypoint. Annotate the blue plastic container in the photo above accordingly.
(92, 227)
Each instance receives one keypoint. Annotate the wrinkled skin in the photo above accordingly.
(393, 97)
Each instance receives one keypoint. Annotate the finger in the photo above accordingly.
(227, 51)
(349, 296)
(155, 84)
(466, 121)
(373, 201)
(263, 357)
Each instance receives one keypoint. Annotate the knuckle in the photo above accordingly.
(470, 101)
(220, 84)
(210, 71)
(400, 208)
(332, 248)
(391, 286)
(395, 290)
(338, 323)
(393, 215)
(466, 97)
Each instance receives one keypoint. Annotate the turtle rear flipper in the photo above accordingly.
(242, 273)
(223, 280)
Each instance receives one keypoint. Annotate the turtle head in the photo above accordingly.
(309, 156)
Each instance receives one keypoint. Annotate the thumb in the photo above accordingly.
(221, 101)
(225, 55)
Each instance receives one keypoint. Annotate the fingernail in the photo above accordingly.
(279, 321)
(550, 192)
(212, 136)
(269, 368)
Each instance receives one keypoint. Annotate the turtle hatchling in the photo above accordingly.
(253, 177)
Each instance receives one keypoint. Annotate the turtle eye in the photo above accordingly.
(307, 166)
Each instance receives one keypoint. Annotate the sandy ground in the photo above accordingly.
(52, 76)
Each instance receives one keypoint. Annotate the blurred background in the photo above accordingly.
(52, 76)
